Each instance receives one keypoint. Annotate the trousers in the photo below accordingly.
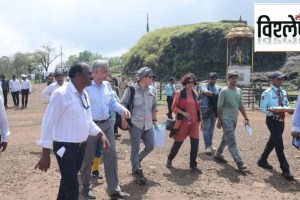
(69, 166)
(276, 128)
(193, 152)
(137, 154)
(110, 159)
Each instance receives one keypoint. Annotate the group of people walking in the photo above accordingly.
(221, 106)
(77, 121)
(16, 87)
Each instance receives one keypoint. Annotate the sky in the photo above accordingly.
(107, 27)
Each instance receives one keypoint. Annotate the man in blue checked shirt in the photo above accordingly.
(273, 97)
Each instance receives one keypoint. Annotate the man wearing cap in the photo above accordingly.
(209, 99)
(273, 97)
(15, 88)
(59, 78)
(170, 91)
(25, 90)
(142, 120)
(229, 103)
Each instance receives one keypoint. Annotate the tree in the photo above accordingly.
(115, 62)
(45, 56)
(88, 57)
(84, 56)
(72, 59)
(5, 66)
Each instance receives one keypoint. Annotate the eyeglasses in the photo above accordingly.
(188, 82)
(84, 100)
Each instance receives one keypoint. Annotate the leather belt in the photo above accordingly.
(71, 144)
(100, 121)
(276, 118)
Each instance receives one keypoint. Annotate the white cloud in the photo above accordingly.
(106, 27)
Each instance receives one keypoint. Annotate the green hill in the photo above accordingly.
(199, 48)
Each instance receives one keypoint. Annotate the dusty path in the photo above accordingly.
(19, 180)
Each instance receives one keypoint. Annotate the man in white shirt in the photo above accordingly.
(59, 77)
(25, 90)
(66, 125)
(102, 99)
(4, 134)
(15, 88)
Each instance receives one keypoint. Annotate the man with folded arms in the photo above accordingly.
(275, 96)
(66, 125)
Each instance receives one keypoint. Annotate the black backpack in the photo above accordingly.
(129, 107)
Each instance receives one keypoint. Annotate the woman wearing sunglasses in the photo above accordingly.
(186, 106)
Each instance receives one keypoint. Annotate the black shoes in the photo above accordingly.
(169, 163)
(196, 170)
(220, 159)
(97, 174)
(288, 176)
(264, 164)
(119, 194)
(139, 177)
(241, 166)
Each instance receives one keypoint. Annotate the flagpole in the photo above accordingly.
(147, 28)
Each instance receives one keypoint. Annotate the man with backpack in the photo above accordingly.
(143, 119)
(209, 99)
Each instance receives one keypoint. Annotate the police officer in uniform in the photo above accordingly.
(273, 97)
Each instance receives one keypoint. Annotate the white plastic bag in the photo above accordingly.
(159, 135)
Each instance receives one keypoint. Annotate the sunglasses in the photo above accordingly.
(188, 82)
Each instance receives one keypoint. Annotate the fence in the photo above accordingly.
(251, 95)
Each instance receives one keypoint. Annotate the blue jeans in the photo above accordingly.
(229, 140)
(138, 154)
(209, 122)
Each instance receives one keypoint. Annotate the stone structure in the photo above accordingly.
(240, 52)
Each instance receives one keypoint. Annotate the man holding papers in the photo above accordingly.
(273, 97)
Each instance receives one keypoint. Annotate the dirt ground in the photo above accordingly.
(19, 180)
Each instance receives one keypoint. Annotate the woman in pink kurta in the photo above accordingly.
(186, 106)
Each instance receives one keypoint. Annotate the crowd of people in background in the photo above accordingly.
(80, 126)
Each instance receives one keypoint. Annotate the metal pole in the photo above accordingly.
(252, 62)
(227, 60)
(61, 57)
